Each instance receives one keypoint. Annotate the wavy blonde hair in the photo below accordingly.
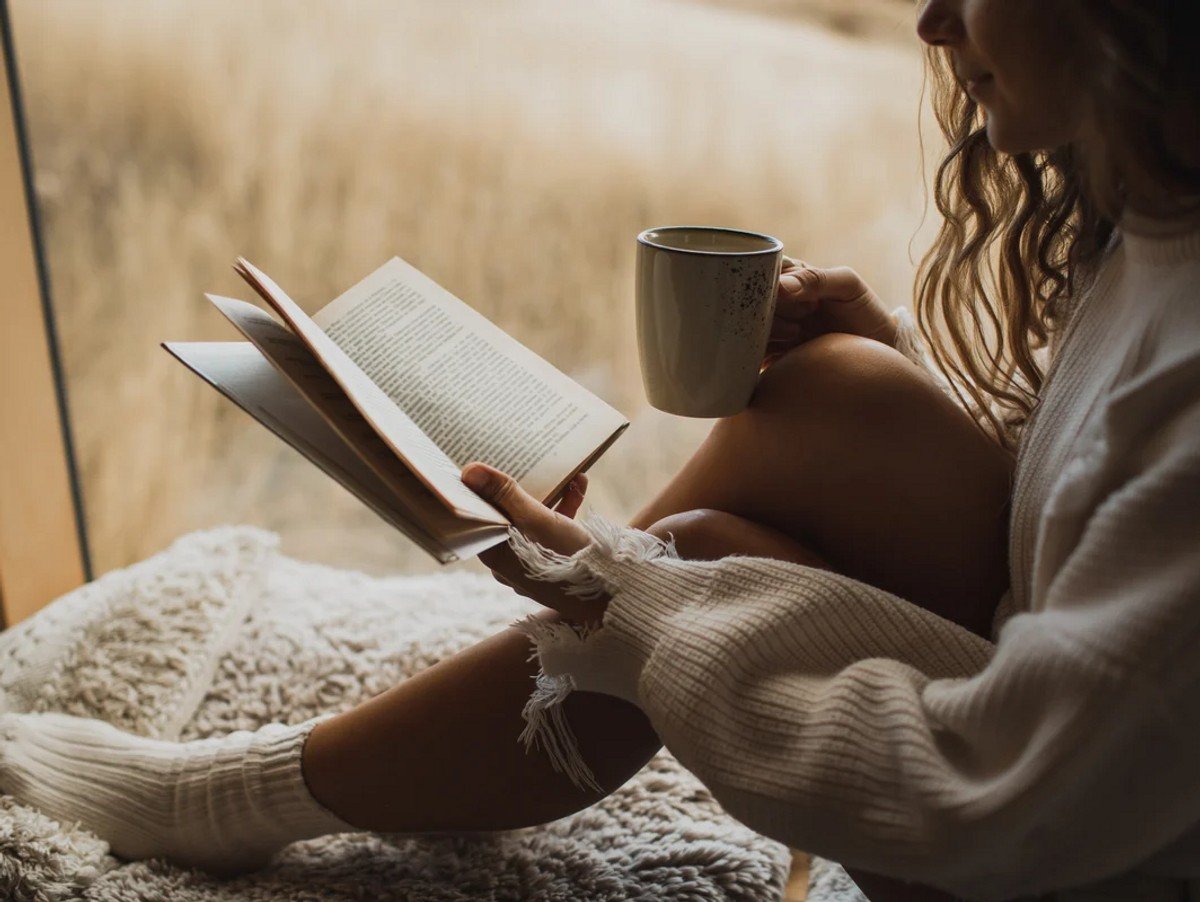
(1022, 233)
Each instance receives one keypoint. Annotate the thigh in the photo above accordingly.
(856, 453)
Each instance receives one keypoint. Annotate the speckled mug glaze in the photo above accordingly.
(705, 300)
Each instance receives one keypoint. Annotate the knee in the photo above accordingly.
(698, 534)
(832, 394)
(710, 535)
(839, 374)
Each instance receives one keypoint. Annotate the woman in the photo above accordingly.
(938, 741)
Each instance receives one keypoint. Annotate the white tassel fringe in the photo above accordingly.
(545, 723)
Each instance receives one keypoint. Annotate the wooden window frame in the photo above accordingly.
(43, 541)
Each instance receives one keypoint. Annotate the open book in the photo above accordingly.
(396, 385)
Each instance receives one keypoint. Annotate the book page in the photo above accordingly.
(296, 362)
(425, 459)
(242, 374)
(478, 393)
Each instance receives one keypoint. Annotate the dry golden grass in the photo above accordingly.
(512, 151)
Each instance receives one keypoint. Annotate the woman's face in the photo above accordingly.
(1013, 57)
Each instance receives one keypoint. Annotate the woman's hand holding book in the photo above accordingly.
(554, 529)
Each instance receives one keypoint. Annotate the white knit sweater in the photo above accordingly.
(851, 723)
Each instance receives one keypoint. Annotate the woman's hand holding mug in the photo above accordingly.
(812, 302)
(715, 306)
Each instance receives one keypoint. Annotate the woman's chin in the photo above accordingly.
(1003, 140)
(1011, 136)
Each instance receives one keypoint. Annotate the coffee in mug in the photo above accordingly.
(705, 301)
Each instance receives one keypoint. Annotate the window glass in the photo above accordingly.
(510, 150)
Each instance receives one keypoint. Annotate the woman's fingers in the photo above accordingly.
(786, 331)
(544, 526)
(572, 497)
(506, 568)
(801, 290)
(503, 492)
(844, 301)
(552, 529)
(508, 571)
(792, 302)
(550, 595)
(837, 283)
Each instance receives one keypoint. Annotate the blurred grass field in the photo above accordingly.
(511, 150)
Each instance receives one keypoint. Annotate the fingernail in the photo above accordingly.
(477, 478)
(789, 283)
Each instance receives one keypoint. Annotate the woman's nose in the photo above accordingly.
(940, 22)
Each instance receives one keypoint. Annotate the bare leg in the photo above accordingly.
(848, 457)
(847, 449)
(851, 450)
(934, 464)
(440, 751)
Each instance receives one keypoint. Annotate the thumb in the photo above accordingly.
(503, 492)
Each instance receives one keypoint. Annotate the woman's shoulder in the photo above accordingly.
(1163, 292)
(1149, 413)
(1157, 403)
(1174, 330)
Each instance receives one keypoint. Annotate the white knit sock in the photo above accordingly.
(224, 804)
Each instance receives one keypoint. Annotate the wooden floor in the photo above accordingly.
(797, 885)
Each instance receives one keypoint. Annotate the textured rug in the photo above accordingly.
(221, 633)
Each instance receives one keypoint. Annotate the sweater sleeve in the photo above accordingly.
(851, 723)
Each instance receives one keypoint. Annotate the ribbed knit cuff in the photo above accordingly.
(642, 601)
(669, 619)
(608, 659)
(283, 801)
(595, 660)
(647, 602)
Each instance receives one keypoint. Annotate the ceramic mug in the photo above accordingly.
(705, 300)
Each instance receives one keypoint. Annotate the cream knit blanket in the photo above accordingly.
(222, 633)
